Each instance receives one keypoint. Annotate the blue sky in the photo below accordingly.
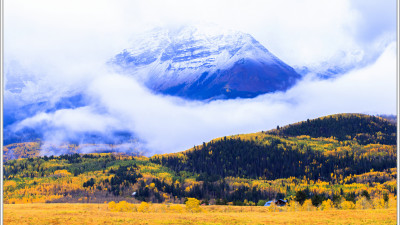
(58, 48)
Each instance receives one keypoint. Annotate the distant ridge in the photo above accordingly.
(344, 126)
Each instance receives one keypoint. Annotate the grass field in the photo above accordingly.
(99, 214)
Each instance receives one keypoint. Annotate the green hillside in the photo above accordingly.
(291, 162)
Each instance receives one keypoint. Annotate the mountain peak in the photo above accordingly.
(192, 61)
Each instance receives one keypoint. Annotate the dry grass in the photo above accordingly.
(99, 214)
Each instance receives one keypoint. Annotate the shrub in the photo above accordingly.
(261, 202)
(112, 205)
(193, 205)
(144, 207)
(251, 203)
(238, 202)
(326, 205)
(347, 205)
(122, 206)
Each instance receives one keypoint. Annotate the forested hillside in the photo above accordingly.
(362, 128)
(291, 162)
(347, 144)
(269, 157)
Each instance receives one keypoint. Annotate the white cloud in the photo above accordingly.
(65, 44)
(299, 32)
(168, 124)
(83, 119)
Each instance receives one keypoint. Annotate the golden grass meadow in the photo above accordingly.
(68, 213)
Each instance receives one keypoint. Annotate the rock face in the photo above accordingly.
(204, 63)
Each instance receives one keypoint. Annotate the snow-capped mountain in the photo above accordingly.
(193, 62)
(204, 62)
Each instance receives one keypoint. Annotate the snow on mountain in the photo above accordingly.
(204, 62)
(193, 62)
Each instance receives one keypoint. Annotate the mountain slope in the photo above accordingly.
(239, 169)
(272, 157)
(205, 62)
(362, 128)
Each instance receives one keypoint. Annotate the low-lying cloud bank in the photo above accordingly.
(58, 49)
(170, 124)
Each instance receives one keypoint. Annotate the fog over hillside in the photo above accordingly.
(60, 86)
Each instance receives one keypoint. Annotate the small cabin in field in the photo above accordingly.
(279, 202)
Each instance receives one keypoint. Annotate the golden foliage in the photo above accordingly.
(193, 205)
(273, 208)
(378, 203)
(293, 206)
(347, 205)
(121, 206)
(308, 206)
(363, 203)
(112, 205)
(9, 185)
(326, 205)
(144, 207)
(62, 173)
